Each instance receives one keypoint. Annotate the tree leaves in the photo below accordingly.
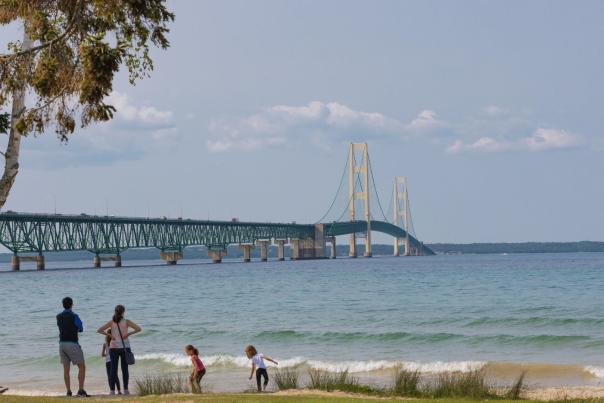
(80, 46)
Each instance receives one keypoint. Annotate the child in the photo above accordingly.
(105, 353)
(258, 365)
(199, 370)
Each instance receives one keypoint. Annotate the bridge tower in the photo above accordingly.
(354, 170)
(400, 200)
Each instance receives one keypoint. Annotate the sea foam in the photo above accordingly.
(224, 360)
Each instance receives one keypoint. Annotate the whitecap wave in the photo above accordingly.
(598, 372)
(224, 360)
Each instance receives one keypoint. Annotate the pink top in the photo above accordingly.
(197, 363)
(116, 340)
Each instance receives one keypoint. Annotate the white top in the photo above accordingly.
(107, 357)
(258, 361)
(116, 340)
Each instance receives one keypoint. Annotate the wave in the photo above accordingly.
(430, 367)
(430, 338)
(229, 361)
(535, 321)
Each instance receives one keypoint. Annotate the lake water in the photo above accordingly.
(504, 313)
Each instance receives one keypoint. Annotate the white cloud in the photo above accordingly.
(425, 121)
(541, 139)
(317, 122)
(143, 115)
(134, 131)
(545, 139)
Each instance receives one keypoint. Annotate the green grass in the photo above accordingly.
(341, 381)
(405, 383)
(287, 378)
(163, 384)
(471, 384)
(517, 388)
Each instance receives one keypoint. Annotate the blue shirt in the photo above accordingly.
(69, 325)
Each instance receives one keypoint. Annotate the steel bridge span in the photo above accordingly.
(29, 236)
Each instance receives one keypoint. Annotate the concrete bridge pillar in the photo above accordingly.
(118, 261)
(368, 252)
(332, 251)
(396, 251)
(15, 263)
(352, 246)
(295, 249)
(264, 249)
(246, 248)
(216, 255)
(281, 248)
(171, 257)
(40, 262)
(96, 261)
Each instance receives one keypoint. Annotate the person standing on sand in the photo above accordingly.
(105, 353)
(119, 345)
(70, 350)
(258, 365)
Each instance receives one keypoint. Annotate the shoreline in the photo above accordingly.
(532, 394)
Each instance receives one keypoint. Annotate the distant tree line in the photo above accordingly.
(521, 247)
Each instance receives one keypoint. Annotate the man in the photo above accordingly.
(69, 349)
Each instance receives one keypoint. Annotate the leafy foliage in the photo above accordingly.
(78, 47)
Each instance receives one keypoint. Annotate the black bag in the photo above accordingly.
(130, 360)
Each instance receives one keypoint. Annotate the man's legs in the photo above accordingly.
(66, 376)
(81, 375)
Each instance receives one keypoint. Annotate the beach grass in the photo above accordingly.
(161, 384)
(287, 379)
(405, 383)
(340, 380)
(517, 388)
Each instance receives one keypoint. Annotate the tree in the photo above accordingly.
(65, 64)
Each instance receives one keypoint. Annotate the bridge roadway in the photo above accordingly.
(28, 236)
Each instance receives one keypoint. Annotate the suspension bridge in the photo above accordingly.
(28, 236)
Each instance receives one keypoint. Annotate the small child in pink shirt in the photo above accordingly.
(199, 370)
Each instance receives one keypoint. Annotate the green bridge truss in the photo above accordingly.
(349, 227)
(38, 233)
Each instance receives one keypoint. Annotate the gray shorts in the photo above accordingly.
(71, 352)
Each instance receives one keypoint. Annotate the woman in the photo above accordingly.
(119, 344)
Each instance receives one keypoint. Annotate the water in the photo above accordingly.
(504, 313)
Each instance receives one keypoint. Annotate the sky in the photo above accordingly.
(491, 108)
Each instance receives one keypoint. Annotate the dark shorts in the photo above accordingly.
(198, 376)
(71, 353)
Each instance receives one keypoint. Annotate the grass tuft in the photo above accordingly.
(340, 380)
(287, 378)
(405, 382)
(162, 384)
(471, 384)
(517, 388)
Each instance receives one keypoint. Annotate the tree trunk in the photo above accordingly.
(11, 156)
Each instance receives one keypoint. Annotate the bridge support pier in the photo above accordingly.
(40, 264)
(352, 246)
(96, 261)
(171, 257)
(280, 248)
(246, 248)
(263, 249)
(332, 251)
(217, 255)
(118, 261)
(15, 263)
(295, 249)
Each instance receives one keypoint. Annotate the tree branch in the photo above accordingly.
(59, 38)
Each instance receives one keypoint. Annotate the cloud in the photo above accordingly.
(316, 122)
(541, 139)
(134, 131)
(546, 139)
(425, 121)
